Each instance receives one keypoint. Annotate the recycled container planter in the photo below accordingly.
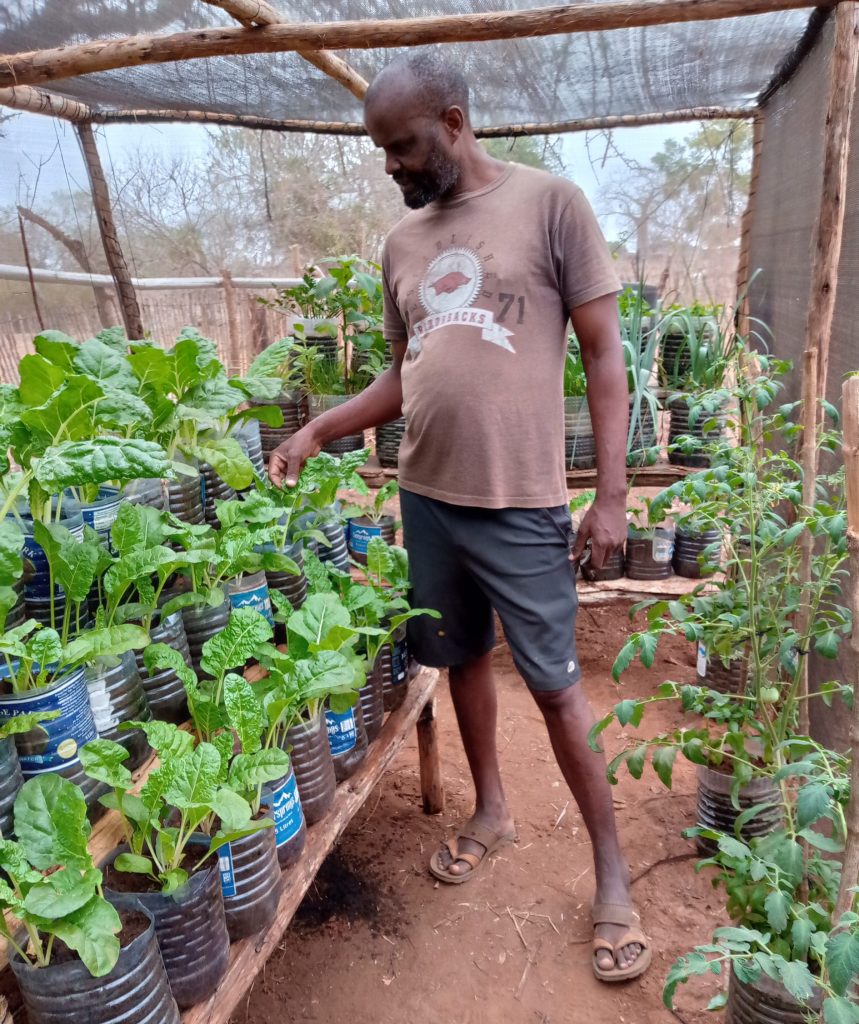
(281, 801)
(191, 931)
(724, 677)
(389, 437)
(362, 529)
(151, 492)
(715, 810)
(317, 405)
(394, 659)
(347, 739)
(643, 439)
(116, 695)
(11, 781)
(185, 496)
(293, 588)
(247, 433)
(338, 552)
(18, 612)
(250, 882)
(649, 552)
(679, 426)
(313, 766)
(579, 445)
(251, 591)
(689, 546)
(201, 624)
(36, 577)
(612, 568)
(164, 690)
(101, 514)
(54, 746)
(214, 489)
(293, 406)
(136, 991)
(765, 1001)
(674, 359)
(372, 699)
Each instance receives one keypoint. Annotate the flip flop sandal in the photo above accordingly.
(488, 839)
(619, 914)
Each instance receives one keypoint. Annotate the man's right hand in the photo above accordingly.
(287, 460)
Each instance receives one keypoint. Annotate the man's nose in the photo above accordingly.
(392, 165)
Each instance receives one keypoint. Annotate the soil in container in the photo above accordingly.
(282, 803)
(389, 437)
(250, 882)
(372, 700)
(347, 739)
(317, 405)
(313, 765)
(11, 781)
(54, 746)
(579, 444)
(716, 811)
(679, 426)
(185, 496)
(189, 924)
(338, 553)
(689, 546)
(394, 658)
(649, 552)
(213, 489)
(362, 530)
(765, 1001)
(201, 624)
(164, 690)
(136, 991)
(251, 591)
(116, 695)
(612, 568)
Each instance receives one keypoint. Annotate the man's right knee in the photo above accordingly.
(468, 671)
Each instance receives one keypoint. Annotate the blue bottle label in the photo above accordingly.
(286, 810)
(225, 867)
(257, 598)
(56, 743)
(399, 662)
(342, 731)
(37, 573)
(361, 535)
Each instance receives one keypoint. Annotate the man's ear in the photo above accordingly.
(453, 120)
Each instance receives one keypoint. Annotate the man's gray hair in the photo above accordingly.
(442, 85)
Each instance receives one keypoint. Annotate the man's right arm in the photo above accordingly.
(380, 403)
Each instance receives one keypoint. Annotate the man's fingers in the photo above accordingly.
(579, 546)
(293, 468)
(598, 554)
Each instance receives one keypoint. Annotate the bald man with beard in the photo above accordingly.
(480, 280)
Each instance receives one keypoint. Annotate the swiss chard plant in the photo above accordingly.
(376, 512)
(50, 883)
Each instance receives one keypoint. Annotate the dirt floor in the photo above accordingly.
(377, 941)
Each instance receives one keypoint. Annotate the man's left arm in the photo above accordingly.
(596, 327)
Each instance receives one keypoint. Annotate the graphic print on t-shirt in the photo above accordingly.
(450, 285)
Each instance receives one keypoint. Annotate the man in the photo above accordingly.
(480, 280)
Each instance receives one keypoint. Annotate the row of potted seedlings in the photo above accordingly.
(126, 608)
(770, 816)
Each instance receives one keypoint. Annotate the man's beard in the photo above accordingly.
(437, 181)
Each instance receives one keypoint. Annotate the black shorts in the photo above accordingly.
(466, 561)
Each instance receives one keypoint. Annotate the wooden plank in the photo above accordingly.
(663, 474)
(249, 956)
(47, 65)
(432, 786)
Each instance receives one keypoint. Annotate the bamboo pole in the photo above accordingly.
(824, 282)
(850, 865)
(260, 13)
(104, 54)
(128, 304)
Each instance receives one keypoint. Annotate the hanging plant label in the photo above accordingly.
(342, 731)
(225, 868)
(286, 810)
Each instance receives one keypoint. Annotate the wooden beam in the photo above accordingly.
(259, 13)
(128, 304)
(587, 124)
(744, 270)
(824, 283)
(850, 866)
(104, 54)
(228, 120)
(39, 101)
(249, 956)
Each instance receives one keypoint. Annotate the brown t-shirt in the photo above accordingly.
(481, 287)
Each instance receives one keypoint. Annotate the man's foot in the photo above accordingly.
(459, 858)
(615, 922)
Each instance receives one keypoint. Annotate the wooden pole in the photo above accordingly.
(128, 304)
(33, 291)
(850, 865)
(79, 252)
(260, 13)
(744, 271)
(233, 332)
(824, 283)
(104, 54)
(432, 784)
(39, 101)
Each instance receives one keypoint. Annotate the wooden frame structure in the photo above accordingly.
(261, 29)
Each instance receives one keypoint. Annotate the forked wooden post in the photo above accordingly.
(104, 215)
(850, 414)
(824, 282)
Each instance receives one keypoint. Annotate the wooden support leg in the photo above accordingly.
(432, 787)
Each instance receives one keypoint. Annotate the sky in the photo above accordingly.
(39, 156)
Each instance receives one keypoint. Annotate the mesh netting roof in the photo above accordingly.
(554, 78)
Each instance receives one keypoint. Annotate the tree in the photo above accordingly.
(542, 153)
